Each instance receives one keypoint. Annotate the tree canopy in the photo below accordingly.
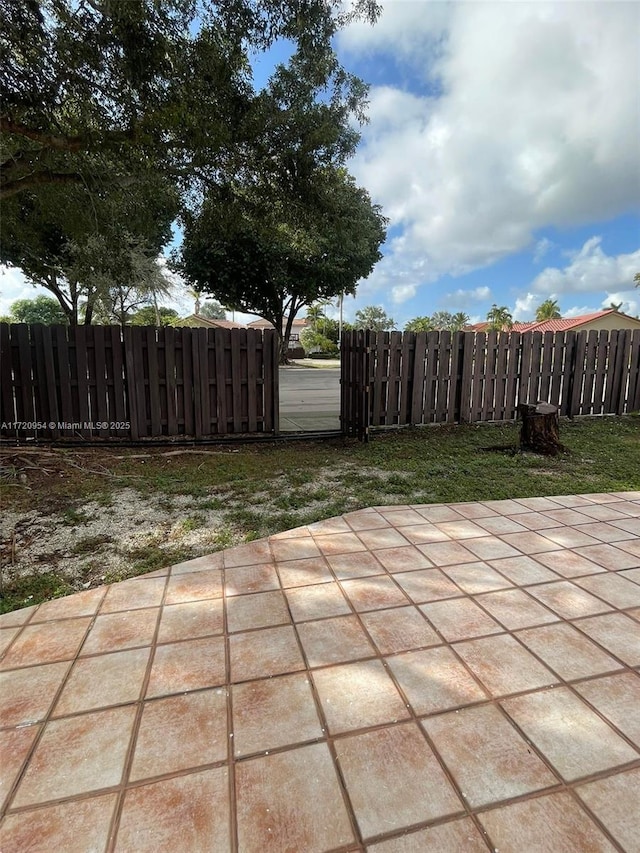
(375, 318)
(439, 321)
(211, 309)
(499, 318)
(41, 309)
(548, 310)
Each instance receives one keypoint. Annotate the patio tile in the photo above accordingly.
(434, 680)
(568, 600)
(191, 665)
(124, 630)
(335, 640)
(464, 529)
(304, 572)
(401, 517)
(134, 594)
(17, 617)
(614, 589)
(503, 666)
(373, 593)
(610, 556)
(629, 508)
(506, 507)
(537, 504)
(628, 525)
(438, 513)
(515, 609)
(476, 577)
(190, 620)
(552, 719)
(605, 497)
(27, 694)
(617, 697)
(199, 564)
(604, 532)
(550, 823)
(181, 732)
(260, 654)
(177, 814)
(448, 553)
(365, 520)
(285, 800)
(294, 549)
(399, 630)
(77, 755)
(383, 538)
(357, 565)
(523, 571)
(97, 682)
(394, 779)
(302, 532)
(487, 757)
(615, 801)
(427, 585)
(536, 521)
(7, 636)
(339, 543)
(630, 574)
(459, 619)
(570, 517)
(569, 537)
(47, 642)
(631, 546)
(337, 686)
(404, 559)
(530, 542)
(329, 525)
(456, 835)
(421, 534)
(609, 512)
(617, 633)
(194, 586)
(250, 554)
(84, 603)
(258, 610)
(570, 500)
(568, 652)
(74, 827)
(474, 510)
(316, 602)
(15, 745)
(497, 525)
(242, 579)
(568, 564)
(491, 548)
(272, 713)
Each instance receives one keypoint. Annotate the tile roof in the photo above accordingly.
(563, 324)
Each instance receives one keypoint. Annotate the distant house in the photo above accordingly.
(599, 321)
(299, 323)
(198, 321)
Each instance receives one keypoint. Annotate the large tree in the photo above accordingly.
(97, 91)
(373, 317)
(41, 309)
(499, 318)
(548, 310)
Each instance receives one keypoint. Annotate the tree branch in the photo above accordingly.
(11, 188)
(49, 140)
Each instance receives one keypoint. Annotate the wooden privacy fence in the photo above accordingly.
(440, 377)
(104, 382)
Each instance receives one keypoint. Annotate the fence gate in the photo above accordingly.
(355, 383)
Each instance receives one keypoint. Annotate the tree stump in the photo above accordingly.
(540, 432)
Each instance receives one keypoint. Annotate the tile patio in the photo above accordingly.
(401, 679)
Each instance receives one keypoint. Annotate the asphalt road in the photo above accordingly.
(309, 390)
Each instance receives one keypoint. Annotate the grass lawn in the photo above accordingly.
(73, 518)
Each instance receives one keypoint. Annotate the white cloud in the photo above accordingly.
(519, 130)
(461, 298)
(403, 292)
(541, 249)
(630, 301)
(14, 285)
(590, 270)
(525, 307)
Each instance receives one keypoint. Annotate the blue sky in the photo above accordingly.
(503, 145)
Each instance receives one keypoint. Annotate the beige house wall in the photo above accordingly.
(608, 323)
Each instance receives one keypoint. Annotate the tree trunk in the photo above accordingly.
(540, 432)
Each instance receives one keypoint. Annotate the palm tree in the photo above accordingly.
(420, 324)
(315, 313)
(499, 318)
(459, 321)
(195, 295)
(548, 310)
(614, 306)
